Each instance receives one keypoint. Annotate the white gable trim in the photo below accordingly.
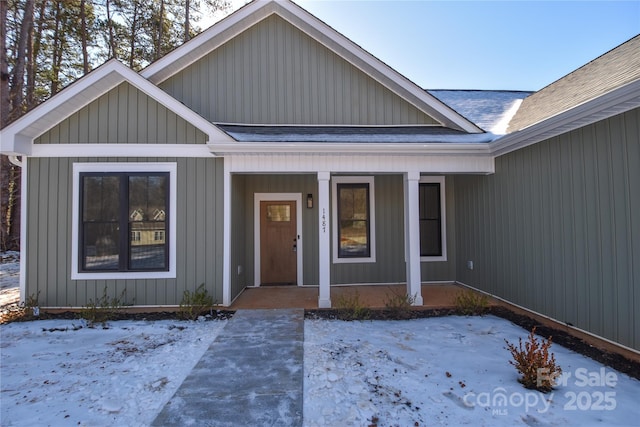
(256, 11)
(120, 150)
(17, 138)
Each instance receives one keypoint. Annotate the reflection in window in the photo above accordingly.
(353, 220)
(123, 224)
(431, 221)
(279, 213)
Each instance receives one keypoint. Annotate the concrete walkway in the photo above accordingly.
(251, 375)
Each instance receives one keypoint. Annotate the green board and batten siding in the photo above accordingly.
(123, 115)
(198, 245)
(557, 228)
(389, 205)
(273, 73)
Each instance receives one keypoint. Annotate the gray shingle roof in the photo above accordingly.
(491, 110)
(610, 71)
(352, 134)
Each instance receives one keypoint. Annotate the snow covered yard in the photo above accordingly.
(436, 371)
(449, 371)
(59, 372)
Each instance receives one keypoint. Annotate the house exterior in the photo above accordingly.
(270, 149)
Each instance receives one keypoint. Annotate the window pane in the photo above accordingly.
(101, 197)
(279, 213)
(147, 213)
(149, 252)
(430, 241)
(100, 210)
(353, 211)
(147, 198)
(100, 245)
(430, 221)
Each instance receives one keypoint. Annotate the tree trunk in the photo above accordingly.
(32, 69)
(132, 40)
(187, 29)
(4, 68)
(9, 206)
(56, 50)
(83, 37)
(112, 39)
(17, 79)
(160, 31)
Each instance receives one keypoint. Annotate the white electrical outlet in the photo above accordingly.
(470, 265)
(239, 270)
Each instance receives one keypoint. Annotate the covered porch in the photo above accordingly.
(310, 176)
(372, 296)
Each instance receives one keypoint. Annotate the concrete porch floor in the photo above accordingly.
(373, 296)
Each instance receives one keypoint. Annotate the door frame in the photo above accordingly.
(267, 197)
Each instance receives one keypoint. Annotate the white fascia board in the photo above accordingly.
(615, 102)
(361, 164)
(120, 150)
(364, 149)
(17, 137)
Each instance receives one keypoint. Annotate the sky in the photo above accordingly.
(490, 45)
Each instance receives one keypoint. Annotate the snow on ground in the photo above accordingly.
(62, 373)
(9, 277)
(436, 371)
(449, 371)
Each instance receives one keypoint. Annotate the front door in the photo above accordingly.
(278, 243)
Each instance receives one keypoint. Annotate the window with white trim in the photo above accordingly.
(433, 245)
(353, 219)
(124, 220)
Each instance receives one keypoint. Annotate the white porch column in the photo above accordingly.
(412, 235)
(226, 237)
(324, 259)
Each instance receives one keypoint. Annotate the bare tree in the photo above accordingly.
(16, 92)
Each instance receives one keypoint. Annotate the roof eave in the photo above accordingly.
(356, 148)
(614, 102)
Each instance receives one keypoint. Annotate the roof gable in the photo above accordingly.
(123, 115)
(273, 73)
(257, 11)
(17, 138)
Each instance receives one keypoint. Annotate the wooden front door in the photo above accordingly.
(278, 243)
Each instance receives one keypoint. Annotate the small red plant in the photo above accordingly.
(534, 362)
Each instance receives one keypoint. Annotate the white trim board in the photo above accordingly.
(172, 168)
(335, 180)
(260, 197)
(120, 150)
(363, 164)
(443, 217)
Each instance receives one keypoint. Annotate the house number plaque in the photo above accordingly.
(323, 224)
